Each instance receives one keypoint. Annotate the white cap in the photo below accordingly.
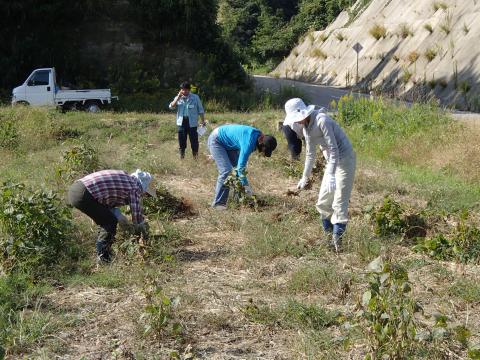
(297, 110)
(145, 179)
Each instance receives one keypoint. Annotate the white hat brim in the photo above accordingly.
(297, 116)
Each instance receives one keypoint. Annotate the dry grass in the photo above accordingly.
(245, 278)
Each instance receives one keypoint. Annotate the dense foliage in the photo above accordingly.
(262, 32)
(88, 42)
(35, 230)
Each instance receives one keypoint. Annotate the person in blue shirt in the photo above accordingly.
(189, 108)
(230, 147)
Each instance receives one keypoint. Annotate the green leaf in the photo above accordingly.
(367, 296)
(376, 265)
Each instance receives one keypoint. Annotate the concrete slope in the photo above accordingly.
(428, 49)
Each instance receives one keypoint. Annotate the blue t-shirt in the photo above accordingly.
(239, 137)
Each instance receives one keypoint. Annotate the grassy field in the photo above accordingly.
(246, 284)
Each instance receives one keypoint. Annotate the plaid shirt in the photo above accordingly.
(114, 188)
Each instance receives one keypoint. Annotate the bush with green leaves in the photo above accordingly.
(240, 196)
(36, 229)
(8, 133)
(392, 219)
(78, 161)
(159, 313)
(387, 311)
(461, 244)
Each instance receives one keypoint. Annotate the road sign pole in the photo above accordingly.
(356, 78)
(357, 47)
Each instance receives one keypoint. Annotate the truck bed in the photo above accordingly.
(68, 95)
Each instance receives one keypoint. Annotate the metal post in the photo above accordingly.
(356, 79)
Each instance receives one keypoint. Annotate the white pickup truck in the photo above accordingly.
(41, 89)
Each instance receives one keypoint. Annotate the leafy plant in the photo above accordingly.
(389, 218)
(79, 160)
(378, 31)
(240, 196)
(461, 244)
(159, 312)
(36, 229)
(8, 134)
(387, 311)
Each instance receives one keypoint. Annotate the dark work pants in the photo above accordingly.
(184, 131)
(294, 143)
(80, 198)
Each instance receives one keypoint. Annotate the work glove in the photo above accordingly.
(142, 229)
(248, 190)
(302, 183)
(331, 184)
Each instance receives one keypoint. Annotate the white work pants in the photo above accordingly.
(334, 205)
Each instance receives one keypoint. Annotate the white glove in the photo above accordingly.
(302, 183)
(331, 183)
(248, 190)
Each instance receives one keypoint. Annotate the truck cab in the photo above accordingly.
(38, 89)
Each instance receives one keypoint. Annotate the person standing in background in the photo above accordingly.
(189, 108)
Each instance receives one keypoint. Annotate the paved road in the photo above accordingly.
(316, 94)
(323, 95)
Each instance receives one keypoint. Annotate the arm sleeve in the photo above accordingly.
(171, 106)
(136, 207)
(309, 157)
(245, 152)
(200, 106)
(332, 147)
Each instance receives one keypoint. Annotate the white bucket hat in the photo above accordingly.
(297, 110)
(145, 179)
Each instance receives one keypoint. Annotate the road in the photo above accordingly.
(316, 94)
(323, 95)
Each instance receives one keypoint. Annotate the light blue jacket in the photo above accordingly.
(239, 137)
(193, 106)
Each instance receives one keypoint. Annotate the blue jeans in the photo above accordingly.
(226, 160)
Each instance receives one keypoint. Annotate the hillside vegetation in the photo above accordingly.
(416, 50)
(247, 282)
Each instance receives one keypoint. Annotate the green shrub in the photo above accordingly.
(8, 134)
(387, 311)
(78, 161)
(461, 244)
(389, 218)
(428, 27)
(35, 229)
(159, 315)
(392, 219)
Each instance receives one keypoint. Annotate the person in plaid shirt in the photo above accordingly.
(99, 194)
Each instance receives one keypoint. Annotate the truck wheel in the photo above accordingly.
(92, 107)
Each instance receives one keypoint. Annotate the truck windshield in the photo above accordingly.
(39, 78)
